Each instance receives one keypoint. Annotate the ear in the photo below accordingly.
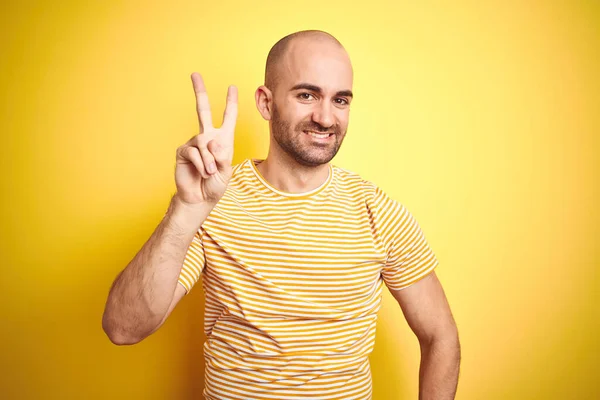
(264, 99)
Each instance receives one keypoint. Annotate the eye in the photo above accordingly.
(344, 101)
(304, 96)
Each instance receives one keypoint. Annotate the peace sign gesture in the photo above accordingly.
(203, 167)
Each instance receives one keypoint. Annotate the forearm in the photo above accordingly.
(140, 296)
(438, 373)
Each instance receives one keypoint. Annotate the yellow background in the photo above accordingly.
(481, 117)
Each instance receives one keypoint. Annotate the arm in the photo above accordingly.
(428, 314)
(146, 291)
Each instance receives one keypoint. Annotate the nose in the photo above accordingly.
(323, 114)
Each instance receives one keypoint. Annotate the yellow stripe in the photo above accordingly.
(293, 284)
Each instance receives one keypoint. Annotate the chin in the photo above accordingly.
(313, 161)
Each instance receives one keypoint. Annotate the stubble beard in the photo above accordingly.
(291, 141)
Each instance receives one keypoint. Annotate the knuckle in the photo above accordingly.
(201, 141)
(193, 152)
(182, 151)
(213, 145)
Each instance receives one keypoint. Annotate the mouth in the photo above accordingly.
(319, 136)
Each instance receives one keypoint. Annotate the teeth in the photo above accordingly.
(318, 135)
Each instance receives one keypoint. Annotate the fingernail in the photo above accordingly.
(212, 168)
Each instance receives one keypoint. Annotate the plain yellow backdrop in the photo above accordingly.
(482, 118)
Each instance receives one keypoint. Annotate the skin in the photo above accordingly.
(145, 293)
(296, 164)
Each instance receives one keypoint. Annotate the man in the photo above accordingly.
(293, 251)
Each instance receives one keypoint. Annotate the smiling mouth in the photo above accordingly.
(318, 135)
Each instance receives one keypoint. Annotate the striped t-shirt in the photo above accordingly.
(293, 284)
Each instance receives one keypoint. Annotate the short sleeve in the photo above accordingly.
(409, 256)
(193, 263)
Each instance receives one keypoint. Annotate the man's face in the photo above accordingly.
(313, 96)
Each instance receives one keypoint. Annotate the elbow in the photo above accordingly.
(121, 340)
(117, 335)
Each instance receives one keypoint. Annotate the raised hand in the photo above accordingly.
(203, 167)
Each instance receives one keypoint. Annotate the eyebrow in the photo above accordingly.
(308, 86)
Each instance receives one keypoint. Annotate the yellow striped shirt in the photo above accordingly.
(293, 284)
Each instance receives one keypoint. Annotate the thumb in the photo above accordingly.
(223, 154)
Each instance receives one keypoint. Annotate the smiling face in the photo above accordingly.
(311, 100)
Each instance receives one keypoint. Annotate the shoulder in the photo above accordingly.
(240, 167)
(351, 180)
(240, 174)
(239, 182)
(379, 203)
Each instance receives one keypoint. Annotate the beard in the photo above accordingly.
(305, 152)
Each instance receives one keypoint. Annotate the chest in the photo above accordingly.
(324, 252)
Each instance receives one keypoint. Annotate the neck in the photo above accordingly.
(287, 175)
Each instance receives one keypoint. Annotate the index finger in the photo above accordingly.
(202, 104)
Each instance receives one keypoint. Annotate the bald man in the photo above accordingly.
(292, 250)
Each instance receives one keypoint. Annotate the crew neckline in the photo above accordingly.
(254, 161)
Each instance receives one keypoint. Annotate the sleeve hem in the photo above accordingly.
(427, 272)
(184, 287)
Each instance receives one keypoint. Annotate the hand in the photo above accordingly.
(203, 167)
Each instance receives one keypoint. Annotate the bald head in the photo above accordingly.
(308, 88)
(277, 54)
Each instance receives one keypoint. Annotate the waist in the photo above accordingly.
(294, 379)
